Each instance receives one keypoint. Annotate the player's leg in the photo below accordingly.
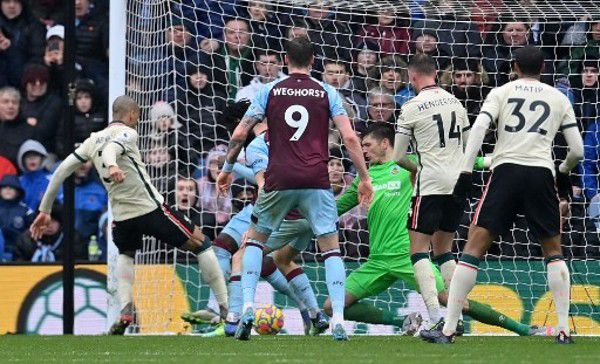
(267, 215)
(236, 299)
(319, 208)
(426, 214)
(370, 279)
(128, 239)
(543, 218)
(442, 254)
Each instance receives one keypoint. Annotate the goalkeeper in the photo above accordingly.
(389, 258)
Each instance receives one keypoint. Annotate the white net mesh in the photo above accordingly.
(191, 55)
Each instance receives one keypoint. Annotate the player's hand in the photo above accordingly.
(462, 188)
(39, 225)
(116, 174)
(224, 181)
(365, 193)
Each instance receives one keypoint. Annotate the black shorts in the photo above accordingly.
(167, 225)
(435, 213)
(515, 189)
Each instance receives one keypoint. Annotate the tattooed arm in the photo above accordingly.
(238, 138)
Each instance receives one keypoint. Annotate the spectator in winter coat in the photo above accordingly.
(587, 93)
(88, 118)
(336, 74)
(366, 59)
(54, 59)
(591, 160)
(267, 31)
(90, 201)
(22, 39)
(40, 108)
(15, 216)
(35, 177)
(13, 128)
(49, 247)
(210, 202)
(2, 243)
(390, 37)
(91, 33)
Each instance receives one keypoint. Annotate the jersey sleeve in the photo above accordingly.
(349, 199)
(83, 151)
(491, 105)
(569, 120)
(127, 140)
(405, 122)
(336, 104)
(257, 158)
(258, 106)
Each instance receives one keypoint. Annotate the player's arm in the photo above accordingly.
(573, 137)
(402, 140)
(352, 143)
(348, 200)
(109, 158)
(64, 170)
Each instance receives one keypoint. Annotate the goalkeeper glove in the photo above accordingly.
(462, 188)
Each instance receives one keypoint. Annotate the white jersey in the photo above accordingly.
(135, 196)
(435, 120)
(527, 114)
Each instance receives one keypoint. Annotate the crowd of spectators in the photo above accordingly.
(212, 53)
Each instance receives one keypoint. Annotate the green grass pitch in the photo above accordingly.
(294, 349)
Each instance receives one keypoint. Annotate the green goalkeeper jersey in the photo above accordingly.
(388, 234)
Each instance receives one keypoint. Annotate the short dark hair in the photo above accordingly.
(380, 131)
(530, 60)
(299, 51)
(268, 53)
(423, 64)
(337, 62)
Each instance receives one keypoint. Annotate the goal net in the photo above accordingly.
(194, 57)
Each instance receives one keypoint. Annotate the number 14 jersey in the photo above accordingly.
(527, 114)
(298, 109)
(435, 120)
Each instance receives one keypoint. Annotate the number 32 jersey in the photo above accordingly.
(435, 120)
(298, 109)
(527, 114)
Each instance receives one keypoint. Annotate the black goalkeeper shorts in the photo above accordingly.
(515, 189)
(165, 224)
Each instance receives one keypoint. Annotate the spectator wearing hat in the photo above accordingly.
(91, 33)
(14, 130)
(54, 58)
(454, 34)
(200, 110)
(426, 41)
(6, 167)
(366, 58)
(88, 118)
(40, 108)
(22, 39)
(15, 216)
(49, 248)
(34, 176)
(268, 67)
(390, 37)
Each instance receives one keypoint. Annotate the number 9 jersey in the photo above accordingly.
(435, 120)
(298, 109)
(527, 114)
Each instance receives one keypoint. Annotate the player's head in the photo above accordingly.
(378, 143)
(125, 109)
(529, 61)
(299, 53)
(242, 193)
(422, 71)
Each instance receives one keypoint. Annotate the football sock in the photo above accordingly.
(462, 283)
(251, 267)
(335, 276)
(236, 301)
(224, 258)
(559, 282)
(213, 276)
(426, 281)
(125, 277)
(447, 266)
(299, 282)
(364, 312)
(487, 315)
(278, 281)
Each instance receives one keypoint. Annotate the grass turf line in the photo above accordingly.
(294, 349)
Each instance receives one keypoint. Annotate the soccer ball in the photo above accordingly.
(268, 320)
